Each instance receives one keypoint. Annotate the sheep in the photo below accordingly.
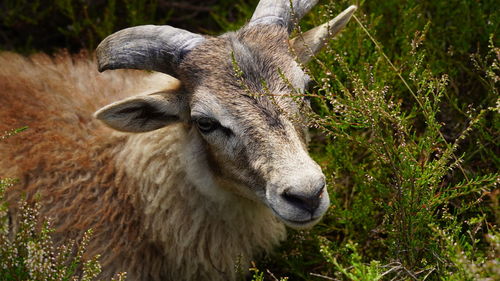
(184, 178)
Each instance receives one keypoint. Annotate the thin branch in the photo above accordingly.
(322, 276)
(272, 275)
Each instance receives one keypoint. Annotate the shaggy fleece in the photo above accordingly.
(133, 190)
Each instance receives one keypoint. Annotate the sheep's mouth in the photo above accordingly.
(296, 224)
(301, 224)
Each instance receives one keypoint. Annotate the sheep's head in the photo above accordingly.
(239, 100)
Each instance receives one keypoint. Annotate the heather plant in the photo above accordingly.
(26, 248)
(29, 26)
(401, 145)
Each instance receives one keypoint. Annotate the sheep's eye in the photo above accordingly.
(207, 125)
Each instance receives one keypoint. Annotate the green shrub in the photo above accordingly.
(29, 26)
(407, 134)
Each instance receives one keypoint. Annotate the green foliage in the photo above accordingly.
(12, 133)
(358, 270)
(259, 275)
(408, 136)
(26, 248)
(233, 19)
(463, 259)
(29, 26)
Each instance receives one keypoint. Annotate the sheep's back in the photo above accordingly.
(55, 97)
(59, 93)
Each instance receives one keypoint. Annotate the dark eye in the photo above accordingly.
(207, 125)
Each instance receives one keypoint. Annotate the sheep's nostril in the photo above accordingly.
(305, 200)
(320, 188)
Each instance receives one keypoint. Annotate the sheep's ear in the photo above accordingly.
(145, 113)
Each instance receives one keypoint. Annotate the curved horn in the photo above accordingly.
(280, 12)
(312, 41)
(147, 47)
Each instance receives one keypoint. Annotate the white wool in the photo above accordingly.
(202, 233)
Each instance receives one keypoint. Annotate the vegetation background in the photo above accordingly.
(405, 125)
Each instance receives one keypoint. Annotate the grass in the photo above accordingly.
(405, 125)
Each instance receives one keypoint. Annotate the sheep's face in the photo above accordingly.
(240, 100)
(245, 93)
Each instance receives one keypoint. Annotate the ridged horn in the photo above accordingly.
(146, 47)
(311, 42)
(281, 12)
